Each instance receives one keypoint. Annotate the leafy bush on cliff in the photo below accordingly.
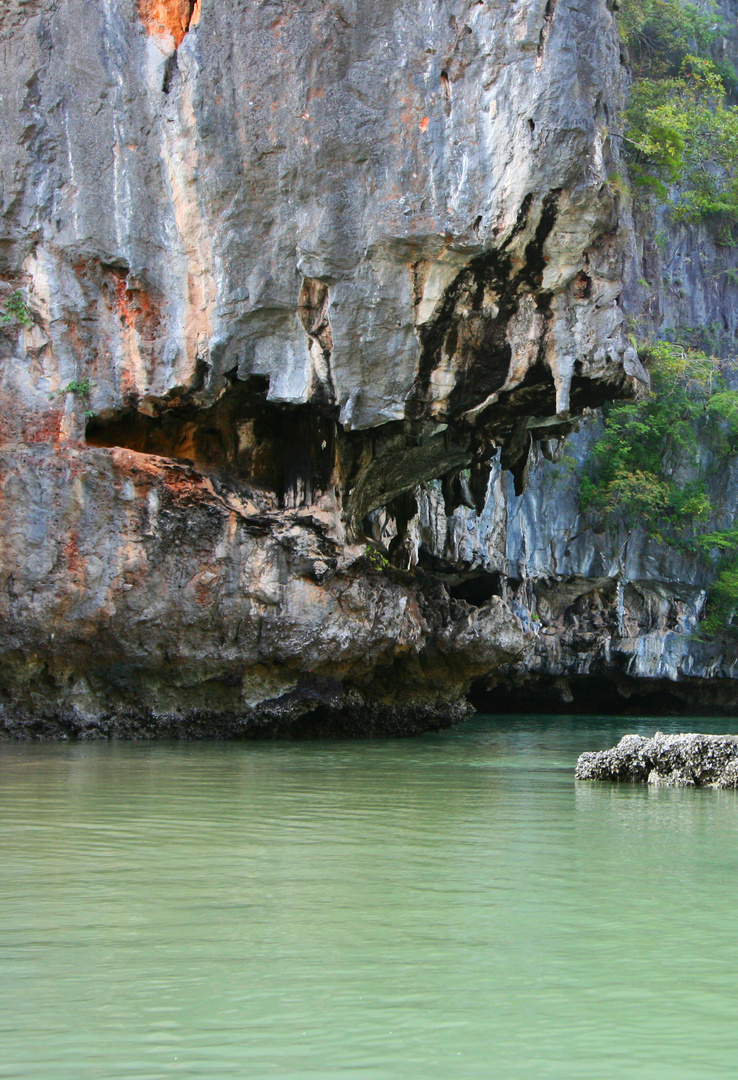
(15, 310)
(681, 133)
(661, 33)
(722, 604)
(681, 136)
(644, 469)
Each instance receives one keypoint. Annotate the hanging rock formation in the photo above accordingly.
(615, 612)
(283, 263)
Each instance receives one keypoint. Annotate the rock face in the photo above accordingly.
(667, 760)
(283, 263)
(613, 613)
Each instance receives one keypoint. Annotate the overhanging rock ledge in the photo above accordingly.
(284, 262)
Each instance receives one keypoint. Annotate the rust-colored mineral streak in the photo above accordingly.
(173, 17)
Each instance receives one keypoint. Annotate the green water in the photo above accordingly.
(449, 907)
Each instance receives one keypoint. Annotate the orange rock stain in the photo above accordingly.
(72, 555)
(172, 17)
(45, 428)
(183, 482)
(205, 592)
(137, 310)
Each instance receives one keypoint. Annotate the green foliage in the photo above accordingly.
(645, 469)
(80, 387)
(722, 604)
(377, 560)
(724, 406)
(660, 33)
(721, 543)
(638, 472)
(15, 310)
(681, 137)
(681, 134)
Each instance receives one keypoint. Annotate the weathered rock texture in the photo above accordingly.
(667, 760)
(613, 614)
(284, 262)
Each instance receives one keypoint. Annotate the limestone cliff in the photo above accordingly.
(278, 264)
(614, 614)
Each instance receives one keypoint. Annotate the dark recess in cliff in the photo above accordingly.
(295, 453)
(603, 695)
(473, 317)
(477, 590)
(288, 450)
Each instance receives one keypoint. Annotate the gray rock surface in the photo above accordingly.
(619, 606)
(285, 262)
(666, 760)
(290, 191)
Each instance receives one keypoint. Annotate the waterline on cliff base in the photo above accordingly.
(454, 906)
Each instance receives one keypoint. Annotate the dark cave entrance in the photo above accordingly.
(286, 450)
(477, 590)
(604, 695)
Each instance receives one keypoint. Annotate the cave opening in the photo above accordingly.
(599, 695)
(286, 450)
(477, 590)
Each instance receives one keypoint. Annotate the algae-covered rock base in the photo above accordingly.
(668, 760)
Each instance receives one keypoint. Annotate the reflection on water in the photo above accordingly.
(454, 906)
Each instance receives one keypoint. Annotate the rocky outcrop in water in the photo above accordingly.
(279, 264)
(666, 760)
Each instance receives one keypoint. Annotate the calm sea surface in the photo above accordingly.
(450, 907)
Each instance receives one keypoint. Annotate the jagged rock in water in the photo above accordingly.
(667, 760)
(283, 262)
